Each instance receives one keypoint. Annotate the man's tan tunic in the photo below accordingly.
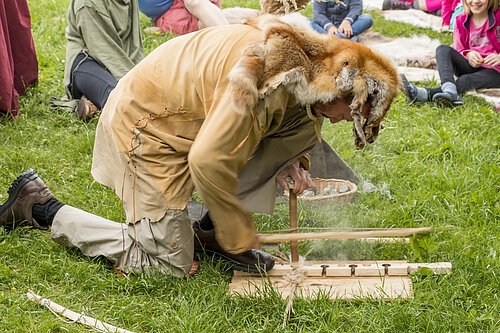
(170, 126)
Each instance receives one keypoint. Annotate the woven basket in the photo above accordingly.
(338, 198)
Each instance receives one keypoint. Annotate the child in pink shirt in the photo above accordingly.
(474, 58)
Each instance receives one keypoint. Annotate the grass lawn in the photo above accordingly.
(431, 166)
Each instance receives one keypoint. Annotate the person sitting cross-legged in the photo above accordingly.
(103, 44)
(339, 18)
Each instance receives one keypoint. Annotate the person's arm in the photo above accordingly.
(355, 9)
(446, 12)
(226, 140)
(473, 57)
(102, 41)
(458, 41)
(319, 10)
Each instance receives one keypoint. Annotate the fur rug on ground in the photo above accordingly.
(373, 4)
(492, 96)
(415, 74)
(415, 51)
(414, 17)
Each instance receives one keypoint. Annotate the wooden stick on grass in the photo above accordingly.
(74, 316)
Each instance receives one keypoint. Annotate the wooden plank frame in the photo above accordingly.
(337, 279)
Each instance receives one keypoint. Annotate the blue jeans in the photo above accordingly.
(363, 23)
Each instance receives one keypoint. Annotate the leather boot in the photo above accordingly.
(253, 261)
(27, 190)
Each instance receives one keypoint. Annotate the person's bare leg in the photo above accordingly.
(422, 5)
(235, 15)
(207, 13)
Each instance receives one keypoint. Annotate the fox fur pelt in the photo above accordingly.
(316, 69)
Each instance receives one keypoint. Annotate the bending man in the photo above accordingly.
(198, 113)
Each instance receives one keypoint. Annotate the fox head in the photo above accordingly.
(316, 69)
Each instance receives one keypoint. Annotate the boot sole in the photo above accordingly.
(235, 264)
(444, 102)
(15, 188)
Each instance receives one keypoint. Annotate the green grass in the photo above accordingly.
(431, 167)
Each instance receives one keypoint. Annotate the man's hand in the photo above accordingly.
(492, 59)
(346, 28)
(332, 30)
(301, 178)
(475, 59)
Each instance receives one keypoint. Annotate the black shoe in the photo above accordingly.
(27, 190)
(251, 261)
(447, 99)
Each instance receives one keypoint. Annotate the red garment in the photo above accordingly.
(447, 9)
(18, 62)
(178, 20)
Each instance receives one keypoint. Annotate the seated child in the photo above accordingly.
(474, 57)
(339, 18)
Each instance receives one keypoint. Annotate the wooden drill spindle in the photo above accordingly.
(294, 245)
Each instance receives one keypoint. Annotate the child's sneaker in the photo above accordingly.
(409, 90)
(447, 99)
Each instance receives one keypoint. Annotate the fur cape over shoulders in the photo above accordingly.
(316, 69)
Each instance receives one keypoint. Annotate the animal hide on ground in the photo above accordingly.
(373, 4)
(414, 17)
(415, 51)
(415, 74)
(492, 96)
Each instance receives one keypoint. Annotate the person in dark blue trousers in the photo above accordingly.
(339, 18)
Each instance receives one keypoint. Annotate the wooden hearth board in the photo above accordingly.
(336, 280)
